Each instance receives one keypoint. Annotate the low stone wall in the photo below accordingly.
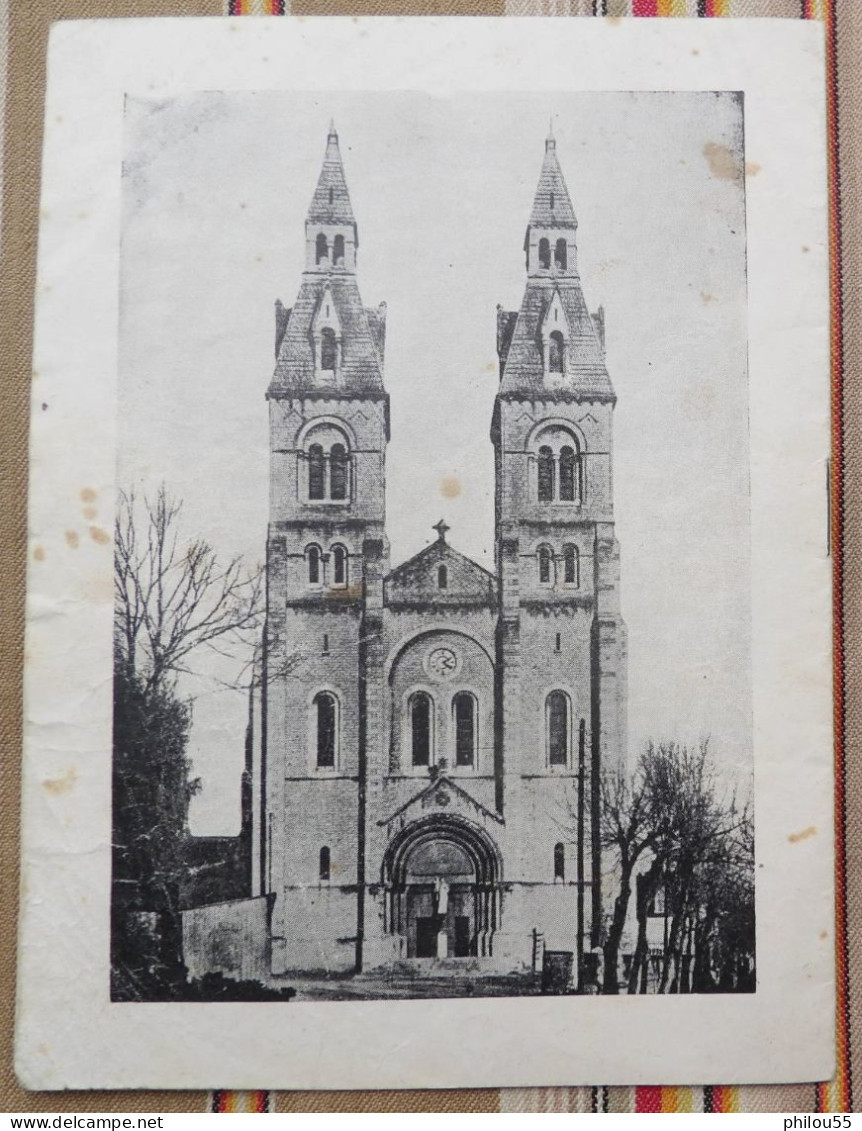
(227, 938)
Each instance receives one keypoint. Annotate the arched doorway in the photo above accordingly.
(442, 876)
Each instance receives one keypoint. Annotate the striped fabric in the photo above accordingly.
(835, 1095)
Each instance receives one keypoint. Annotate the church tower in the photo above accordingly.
(561, 641)
(327, 554)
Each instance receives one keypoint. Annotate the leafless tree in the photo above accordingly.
(172, 597)
(671, 830)
(631, 827)
(699, 856)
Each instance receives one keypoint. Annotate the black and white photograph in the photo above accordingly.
(428, 644)
(432, 652)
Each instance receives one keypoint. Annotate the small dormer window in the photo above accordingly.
(332, 194)
(328, 348)
(442, 577)
(555, 352)
(552, 202)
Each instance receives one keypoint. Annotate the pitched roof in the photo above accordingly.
(362, 336)
(442, 789)
(552, 205)
(522, 361)
(415, 581)
(331, 183)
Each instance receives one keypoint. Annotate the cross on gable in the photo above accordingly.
(441, 529)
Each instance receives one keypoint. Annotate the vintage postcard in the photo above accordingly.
(429, 612)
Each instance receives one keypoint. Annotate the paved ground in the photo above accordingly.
(401, 984)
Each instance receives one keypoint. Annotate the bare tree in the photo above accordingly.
(631, 826)
(671, 830)
(699, 855)
(173, 598)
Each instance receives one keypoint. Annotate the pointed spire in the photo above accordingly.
(331, 201)
(552, 205)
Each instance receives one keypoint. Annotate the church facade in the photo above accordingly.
(432, 734)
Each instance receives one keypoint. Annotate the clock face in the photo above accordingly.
(442, 662)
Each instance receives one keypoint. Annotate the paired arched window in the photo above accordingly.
(464, 714)
(560, 255)
(323, 866)
(338, 250)
(314, 565)
(544, 254)
(327, 457)
(547, 566)
(558, 458)
(328, 349)
(321, 248)
(556, 350)
(442, 577)
(559, 861)
(557, 728)
(326, 722)
(421, 711)
(571, 565)
(339, 566)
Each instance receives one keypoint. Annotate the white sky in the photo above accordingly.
(216, 192)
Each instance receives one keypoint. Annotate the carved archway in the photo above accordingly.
(443, 874)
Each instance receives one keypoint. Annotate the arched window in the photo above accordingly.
(328, 348)
(326, 450)
(560, 255)
(559, 861)
(557, 723)
(338, 250)
(326, 710)
(322, 248)
(313, 562)
(570, 565)
(324, 854)
(420, 728)
(568, 474)
(339, 566)
(546, 565)
(442, 577)
(555, 352)
(464, 711)
(338, 471)
(544, 253)
(546, 474)
(316, 472)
